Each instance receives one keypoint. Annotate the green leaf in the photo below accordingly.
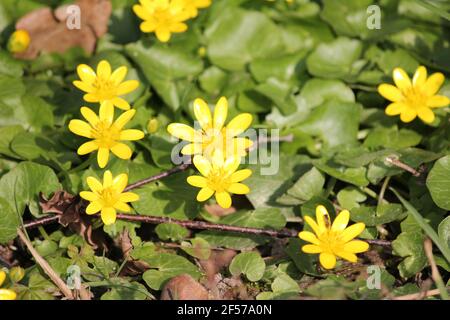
(350, 197)
(382, 214)
(122, 289)
(316, 91)
(438, 182)
(165, 266)
(356, 176)
(392, 138)
(198, 248)
(255, 32)
(444, 231)
(309, 185)
(337, 59)
(409, 245)
(171, 231)
(9, 221)
(250, 264)
(425, 226)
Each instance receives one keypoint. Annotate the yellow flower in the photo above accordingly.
(212, 134)
(105, 134)
(163, 17)
(19, 41)
(192, 6)
(333, 240)
(107, 197)
(105, 85)
(219, 178)
(414, 98)
(6, 294)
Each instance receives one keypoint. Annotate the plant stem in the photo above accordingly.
(428, 246)
(383, 190)
(395, 162)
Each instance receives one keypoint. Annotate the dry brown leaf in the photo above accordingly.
(184, 287)
(49, 32)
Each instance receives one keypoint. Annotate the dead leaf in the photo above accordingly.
(49, 30)
(184, 287)
(218, 211)
(218, 260)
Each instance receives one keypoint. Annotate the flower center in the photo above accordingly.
(109, 197)
(105, 134)
(415, 98)
(218, 180)
(331, 241)
(106, 89)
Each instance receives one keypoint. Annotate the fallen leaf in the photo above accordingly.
(184, 287)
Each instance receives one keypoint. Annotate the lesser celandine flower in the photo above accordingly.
(220, 178)
(105, 133)
(414, 98)
(163, 17)
(213, 134)
(19, 41)
(192, 6)
(107, 197)
(105, 85)
(333, 240)
(5, 294)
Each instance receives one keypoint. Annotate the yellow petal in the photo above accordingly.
(223, 199)
(322, 218)
(390, 92)
(104, 69)
(94, 184)
(310, 221)
(401, 79)
(89, 196)
(310, 248)
(202, 164)
(178, 27)
(107, 179)
(197, 181)
(408, 115)
(239, 124)
(347, 256)
(162, 33)
(433, 84)
(106, 112)
(124, 118)
(118, 75)
(121, 206)
(241, 175)
(395, 108)
(203, 114)
(425, 114)
(87, 147)
(327, 260)
(80, 128)
(341, 221)
(93, 207)
(127, 87)
(90, 116)
(352, 231)
(204, 194)
(131, 135)
(86, 73)
(2, 277)
(148, 26)
(191, 148)
(231, 164)
(6, 294)
(309, 236)
(121, 103)
(84, 86)
(238, 188)
(217, 160)
(438, 101)
(240, 145)
(356, 246)
(102, 157)
(91, 97)
(220, 113)
(420, 77)
(122, 151)
(108, 215)
(141, 12)
(120, 182)
(183, 132)
(128, 197)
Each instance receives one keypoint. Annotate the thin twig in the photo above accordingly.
(202, 225)
(46, 267)
(395, 162)
(383, 190)
(179, 168)
(40, 222)
(428, 246)
(419, 295)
